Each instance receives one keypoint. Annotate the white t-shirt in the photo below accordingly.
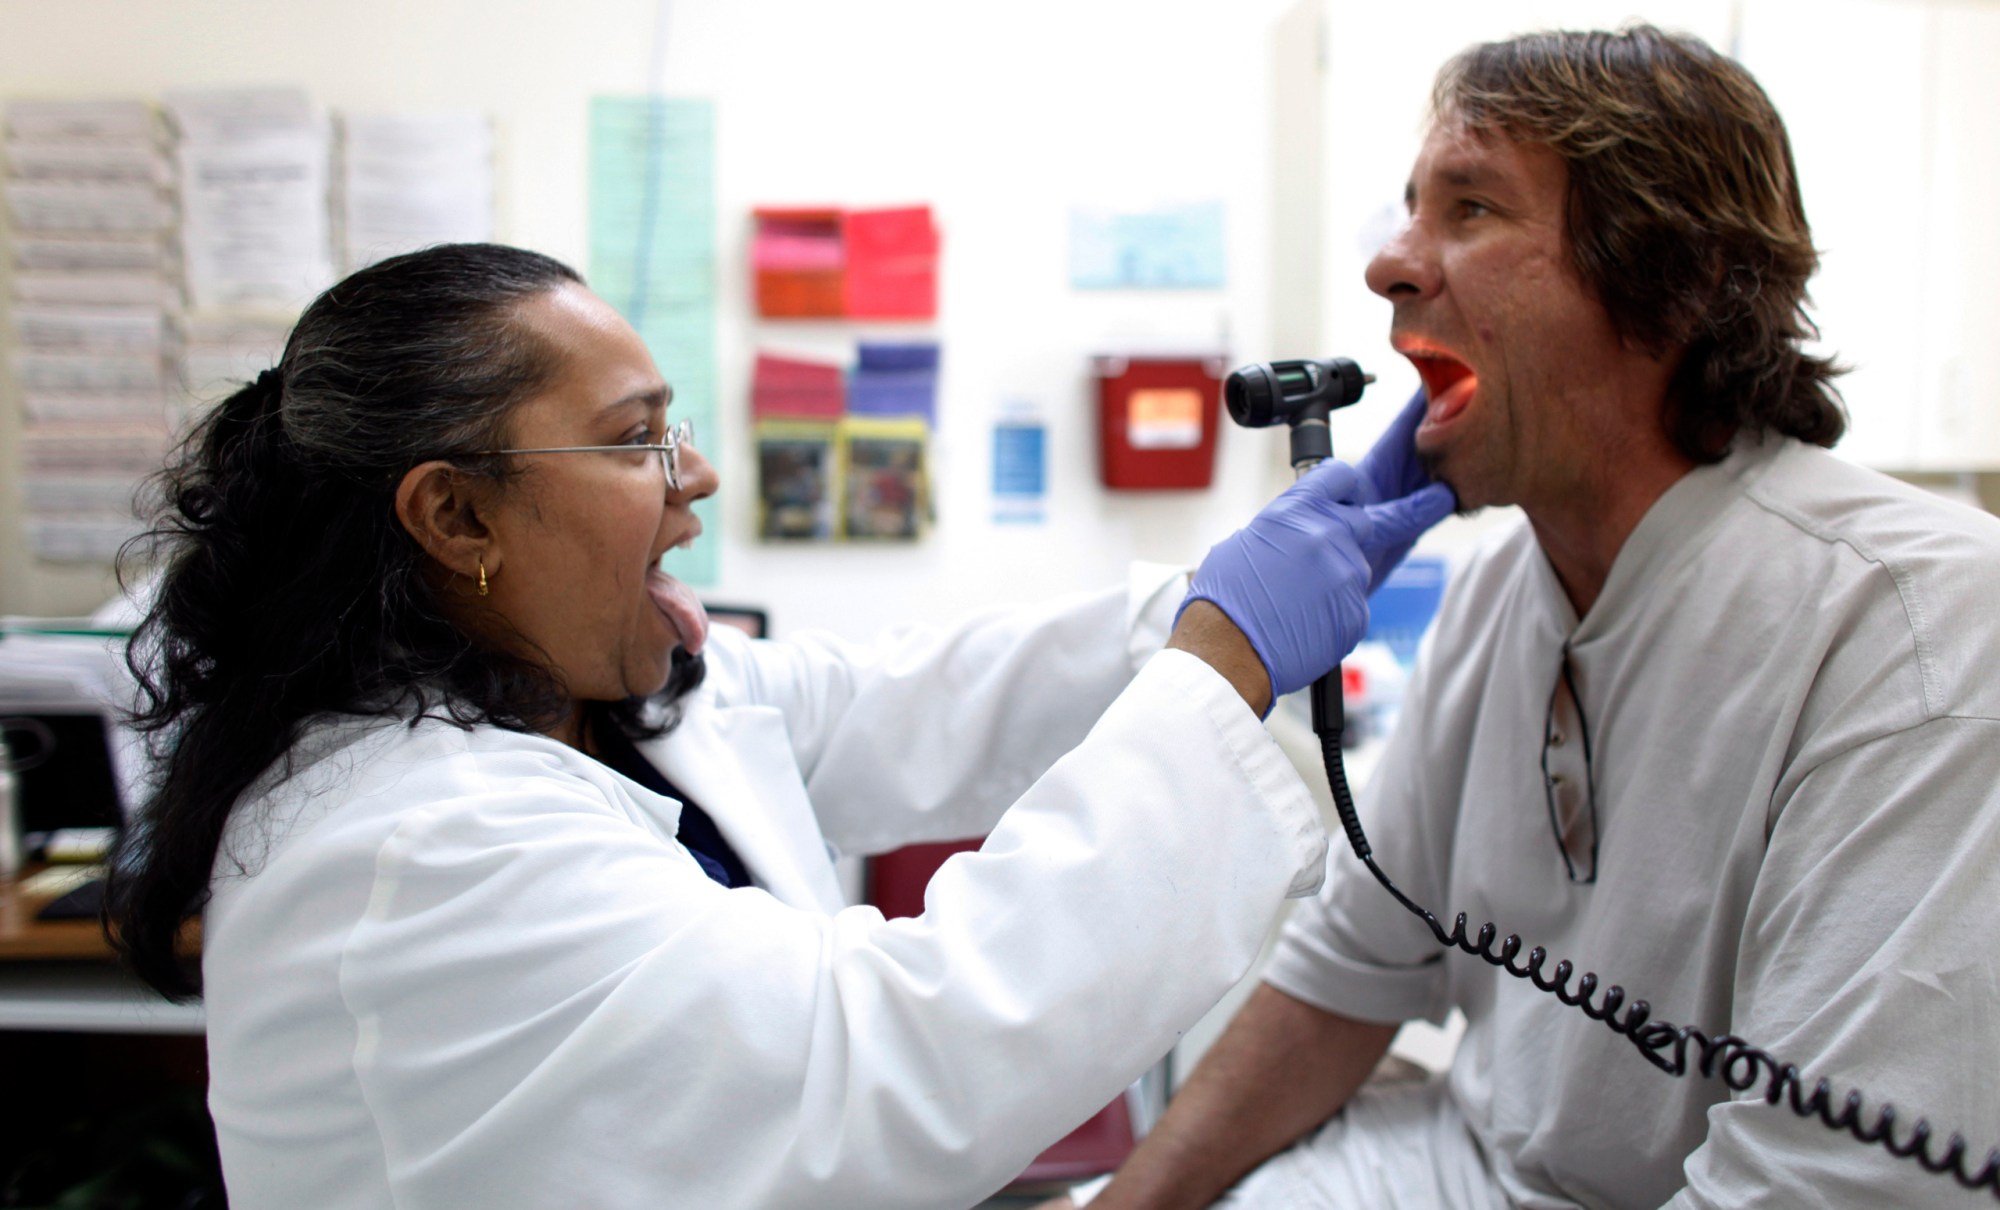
(1791, 685)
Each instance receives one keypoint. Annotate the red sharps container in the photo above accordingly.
(1156, 420)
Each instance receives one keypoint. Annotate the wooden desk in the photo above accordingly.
(60, 975)
(24, 938)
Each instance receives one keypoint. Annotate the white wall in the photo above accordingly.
(999, 116)
(1899, 164)
(531, 65)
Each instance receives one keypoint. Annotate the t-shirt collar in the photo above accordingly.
(1677, 527)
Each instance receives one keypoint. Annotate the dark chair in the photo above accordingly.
(895, 884)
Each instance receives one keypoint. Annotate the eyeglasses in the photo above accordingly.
(1568, 781)
(678, 434)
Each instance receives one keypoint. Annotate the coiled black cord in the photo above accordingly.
(1666, 1046)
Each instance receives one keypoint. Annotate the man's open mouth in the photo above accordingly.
(1448, 382)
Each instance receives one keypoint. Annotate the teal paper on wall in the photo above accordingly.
(1168, 248)
(652, 256)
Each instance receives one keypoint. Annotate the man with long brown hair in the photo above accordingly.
(1717, 722)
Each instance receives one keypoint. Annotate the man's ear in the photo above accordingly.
(442, 508)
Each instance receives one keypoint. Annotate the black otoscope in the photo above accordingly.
(1303, 394)
(1299, 393)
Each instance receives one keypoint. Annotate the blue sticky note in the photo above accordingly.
(878, 355)
(895, 380)
(1020, 472)
(905, 393)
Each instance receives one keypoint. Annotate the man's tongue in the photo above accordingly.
(1450, 401)
(677, 601)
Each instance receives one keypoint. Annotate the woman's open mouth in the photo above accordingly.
(677, 603)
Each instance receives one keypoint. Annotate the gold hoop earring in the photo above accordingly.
(482, 577)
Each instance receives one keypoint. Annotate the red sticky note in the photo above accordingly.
(891, 263)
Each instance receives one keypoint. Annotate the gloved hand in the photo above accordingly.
(1391, 471)
(1295, 580)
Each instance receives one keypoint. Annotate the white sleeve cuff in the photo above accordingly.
(1087, 1192)
(1154, 594)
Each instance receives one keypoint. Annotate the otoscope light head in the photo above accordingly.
(1252, 395)
(1286, 392)
(1301, 394)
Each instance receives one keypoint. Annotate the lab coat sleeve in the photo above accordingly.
(1868, 960)
(928, 733)
(555, 1007)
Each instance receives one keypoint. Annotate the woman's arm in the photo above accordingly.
(929, 733)
(558, 1008)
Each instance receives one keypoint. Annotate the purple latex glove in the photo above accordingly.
(1296, 579)
(1392, 471)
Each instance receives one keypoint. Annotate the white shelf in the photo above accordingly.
(88, 998)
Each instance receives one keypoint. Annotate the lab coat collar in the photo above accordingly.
(736, 763)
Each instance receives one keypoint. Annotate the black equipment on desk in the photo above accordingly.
(1302, 394)
(63, 778)
(63, 767)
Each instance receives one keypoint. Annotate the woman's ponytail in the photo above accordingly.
(288, 589)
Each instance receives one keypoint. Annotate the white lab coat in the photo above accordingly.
(458, 968)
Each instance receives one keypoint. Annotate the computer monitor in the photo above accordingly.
(751, 621)
(63, 767)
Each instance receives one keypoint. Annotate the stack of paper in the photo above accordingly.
(892, 263)
(51, 672)
(89, 193)
(800, 262)
(254, 171)
(896, 380)
(793, 387)
(857, 264)
(412, 180)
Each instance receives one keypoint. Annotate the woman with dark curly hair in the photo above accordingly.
(515, 880)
